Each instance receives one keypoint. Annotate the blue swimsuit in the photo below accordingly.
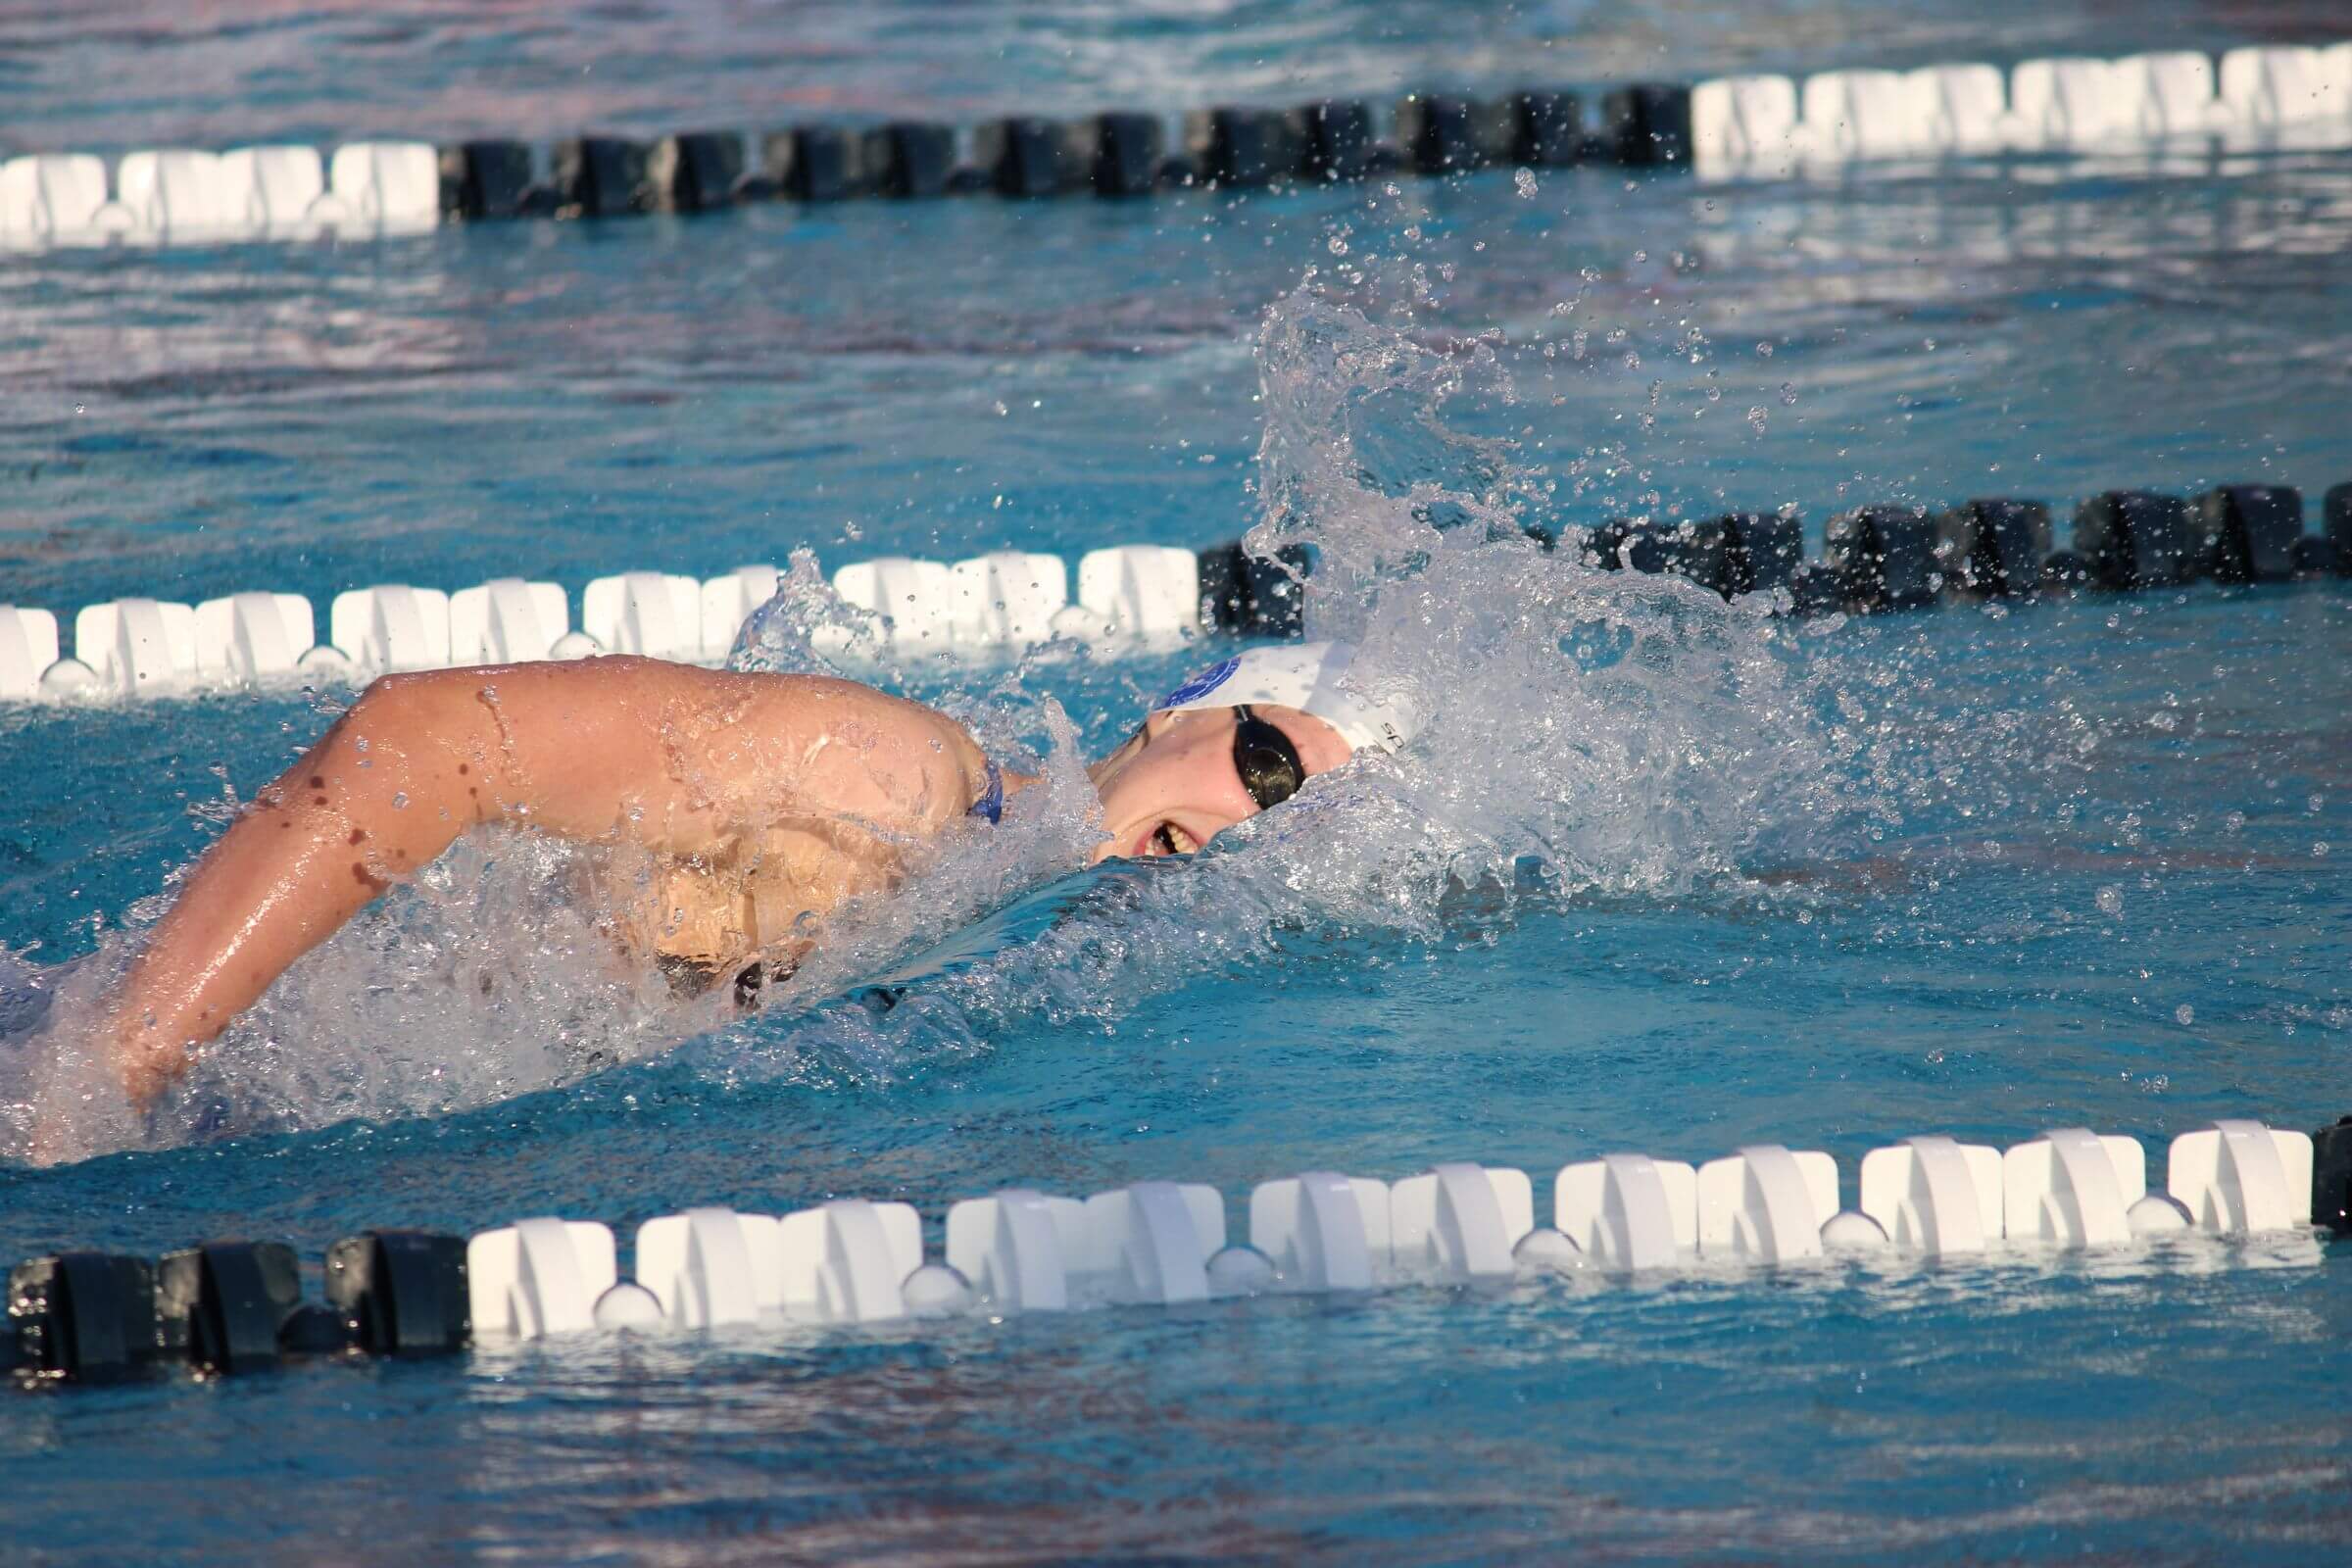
(990, 807)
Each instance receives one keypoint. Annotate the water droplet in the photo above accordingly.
(1525, 180)
(2184, 1015)
(2111, 901)
(400, 800)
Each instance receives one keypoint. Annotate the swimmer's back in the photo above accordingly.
(820, 782)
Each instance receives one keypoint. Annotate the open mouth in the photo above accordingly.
(1165, 839)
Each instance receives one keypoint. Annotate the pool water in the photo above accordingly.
(1666, 874)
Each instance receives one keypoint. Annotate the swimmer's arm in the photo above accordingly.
(667, 756)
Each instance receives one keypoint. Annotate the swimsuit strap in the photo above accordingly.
(990, 804)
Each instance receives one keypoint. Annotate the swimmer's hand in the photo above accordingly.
(146, 1062)
(676, 760)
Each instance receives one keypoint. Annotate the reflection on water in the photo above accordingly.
(1538, 1424)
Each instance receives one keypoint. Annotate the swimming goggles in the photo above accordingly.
(1266, 758)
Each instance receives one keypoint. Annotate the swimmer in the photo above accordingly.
(750, 807)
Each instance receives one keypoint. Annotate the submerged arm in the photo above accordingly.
(665, 756)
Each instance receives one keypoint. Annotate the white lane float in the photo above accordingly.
(1163, 1244)
(1323, 1231)
(1015, 1248)
(1933, 1195)
(508, 621)
(710, 1267)
(656, 614)
(1150, 1243)
(1766, 1203)
(1629, 1211)
(391, 627)
(2241, 1177)
(1459, 1223)
(538, 1277)
(847, 1261)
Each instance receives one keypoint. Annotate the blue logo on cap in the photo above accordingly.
(1200, 685)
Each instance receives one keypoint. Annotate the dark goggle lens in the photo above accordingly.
(1267, 760)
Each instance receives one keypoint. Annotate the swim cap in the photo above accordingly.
(1307, 676)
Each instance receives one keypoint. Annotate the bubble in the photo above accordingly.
(2111, 901)
(2184, 1015)
(1524, 180)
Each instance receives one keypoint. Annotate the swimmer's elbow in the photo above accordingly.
(413, 741)
(414, 711)
(392, 702)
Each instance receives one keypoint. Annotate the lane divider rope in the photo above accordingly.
(2260, 98)
(1150, 597)
(232, 1307)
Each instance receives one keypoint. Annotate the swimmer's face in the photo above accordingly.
(1173, 786)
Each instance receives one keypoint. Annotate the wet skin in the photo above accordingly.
(763, 802)
(1173, 786)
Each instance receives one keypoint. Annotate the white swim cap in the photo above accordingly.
(1307, 676)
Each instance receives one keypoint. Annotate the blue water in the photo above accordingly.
(2081, 861)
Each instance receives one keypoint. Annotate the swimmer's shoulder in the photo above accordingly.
(886, 731)
(761, 724)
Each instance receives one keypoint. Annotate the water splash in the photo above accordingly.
(1588, 735)
(1634, 734)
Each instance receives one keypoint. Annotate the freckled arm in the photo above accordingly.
(664, 754)
(313, 849)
